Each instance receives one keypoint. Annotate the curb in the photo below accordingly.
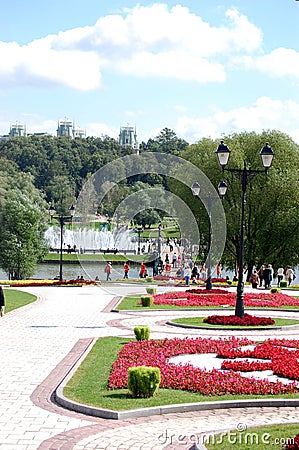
(158, 410)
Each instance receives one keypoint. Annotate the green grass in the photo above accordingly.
(198, 321)
(16, 299)
(131, 302)
(96, 257)
(89, 384)
(262, 438)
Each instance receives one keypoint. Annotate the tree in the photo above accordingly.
(271, 219)
(22, 242)
(166, 142)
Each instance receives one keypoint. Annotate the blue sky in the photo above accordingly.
(200, 67)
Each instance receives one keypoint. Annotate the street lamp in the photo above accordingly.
(62, 220)
(195, 188)
(244, 175)
(139, 231)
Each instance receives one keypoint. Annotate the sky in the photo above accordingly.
(203, 68)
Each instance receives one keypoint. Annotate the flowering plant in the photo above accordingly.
(246, 321)
(222, 297)
(294, 445)
(207, 382)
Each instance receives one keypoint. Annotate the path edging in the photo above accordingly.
(157, 410)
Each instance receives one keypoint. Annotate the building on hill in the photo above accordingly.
(67, 128)
(128, 137)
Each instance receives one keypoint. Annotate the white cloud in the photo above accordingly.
(146, 41)
(281, 62)
(265, 113)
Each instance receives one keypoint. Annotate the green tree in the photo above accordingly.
(271, 220)
(22, 242)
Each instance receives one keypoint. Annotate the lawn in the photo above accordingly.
(132, 302)
(198, 321)
(89, 384)
(259, 438)
(16, 299)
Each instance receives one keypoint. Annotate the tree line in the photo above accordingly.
(37, 170)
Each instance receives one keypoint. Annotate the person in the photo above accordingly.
(187, 274)
(261, 274)
(254, 279)
(219, 270)
(280, 274)
(268, 276)
(142, 272)
(203, 271)
(166, 259)
(174, 259)
(2, 302)
(194, 274)
(289, 275)
(126, 270)
(108, 271)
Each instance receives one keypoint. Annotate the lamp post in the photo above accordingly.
(138, 231)
(244, 175)
(195, 188)
(62, 220)
(19, 244)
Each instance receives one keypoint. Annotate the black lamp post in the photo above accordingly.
(62, 220)
(19, 244)
(138, 231)
(195, 188)
(244, 176)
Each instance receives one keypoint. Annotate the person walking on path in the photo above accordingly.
(142, 272)
(126, 270)
(268, 276)
(261, 275)
(289, 275)
(280, 274)
(187, 274)
(108, 269)
(2, 302)
(254, 279)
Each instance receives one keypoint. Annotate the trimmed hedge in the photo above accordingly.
(142, 333)
(143, 381)
(147, 300)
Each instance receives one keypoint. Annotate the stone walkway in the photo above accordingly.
(41, 341)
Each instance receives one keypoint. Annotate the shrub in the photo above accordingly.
(149, 279)
(283, 283)
(147, 300)
(275, 290)
(143, 381)
(142, 333)
(151, 290)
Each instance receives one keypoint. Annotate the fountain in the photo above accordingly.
(91, 239)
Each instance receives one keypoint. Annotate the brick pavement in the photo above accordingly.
(41, 341)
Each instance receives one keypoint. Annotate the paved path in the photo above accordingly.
(39, 343)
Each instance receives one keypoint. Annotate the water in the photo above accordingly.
(91, 239)
(72, 271)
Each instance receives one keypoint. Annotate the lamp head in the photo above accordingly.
(52, 210)
(222, 154)
(72, 211)
(267, 155)
(222, 188)
(195, 188)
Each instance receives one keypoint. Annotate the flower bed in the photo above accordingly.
(245, 321)
(25, 283)
(219, 297)
(207, 382)
(294, 445)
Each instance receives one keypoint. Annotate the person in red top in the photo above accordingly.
(126, 270)
(142, 272)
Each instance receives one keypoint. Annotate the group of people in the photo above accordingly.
(126, 268)
(264, 276)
